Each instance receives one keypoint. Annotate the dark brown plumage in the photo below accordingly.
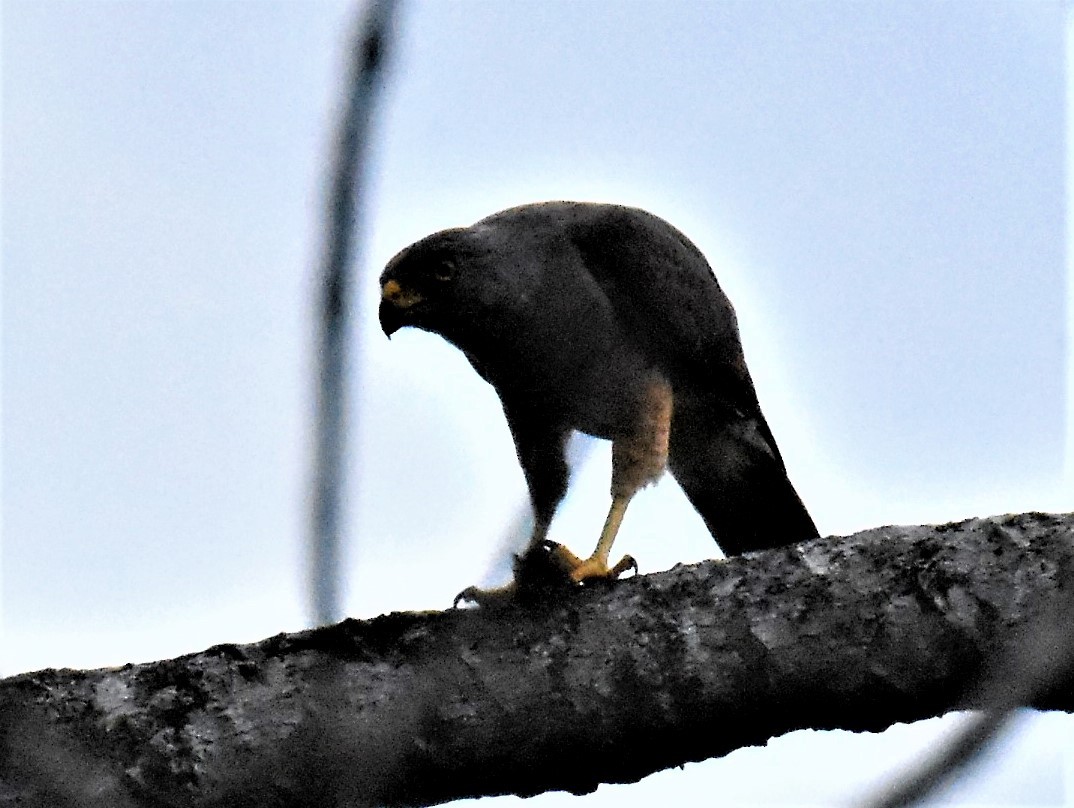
(608, 320)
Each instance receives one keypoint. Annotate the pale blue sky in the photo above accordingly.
(879, 187)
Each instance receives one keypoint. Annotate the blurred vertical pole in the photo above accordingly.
(1068, 466)
(341, 246)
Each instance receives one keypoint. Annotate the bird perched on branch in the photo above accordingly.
(604, 319)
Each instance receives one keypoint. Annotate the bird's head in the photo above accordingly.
(419, 287)
(449, 283)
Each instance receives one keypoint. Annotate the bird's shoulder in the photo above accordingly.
(651, 278)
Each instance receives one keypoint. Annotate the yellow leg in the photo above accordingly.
(638, 459)
(611, 528)
(560, 562)
(596, 566)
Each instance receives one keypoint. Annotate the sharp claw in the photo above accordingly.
(496, 597)
(627, 562)
(545, 566)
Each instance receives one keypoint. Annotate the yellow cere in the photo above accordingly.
(394, 293)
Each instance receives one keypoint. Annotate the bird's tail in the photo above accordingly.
(733, 474)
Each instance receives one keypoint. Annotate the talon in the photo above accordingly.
(565, 560)
(595, 568)
(627, 562)
(544, 568)
(577, 570)
(498, 596)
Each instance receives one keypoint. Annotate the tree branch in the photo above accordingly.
(608, 685)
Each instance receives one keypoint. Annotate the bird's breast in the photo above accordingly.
(589, 379)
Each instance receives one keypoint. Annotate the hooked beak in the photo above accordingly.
(395, 304)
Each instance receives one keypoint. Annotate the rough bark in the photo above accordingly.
(600, 685)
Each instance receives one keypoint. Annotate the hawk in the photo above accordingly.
(608, 320)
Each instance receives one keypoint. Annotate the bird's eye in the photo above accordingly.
(445, 271)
